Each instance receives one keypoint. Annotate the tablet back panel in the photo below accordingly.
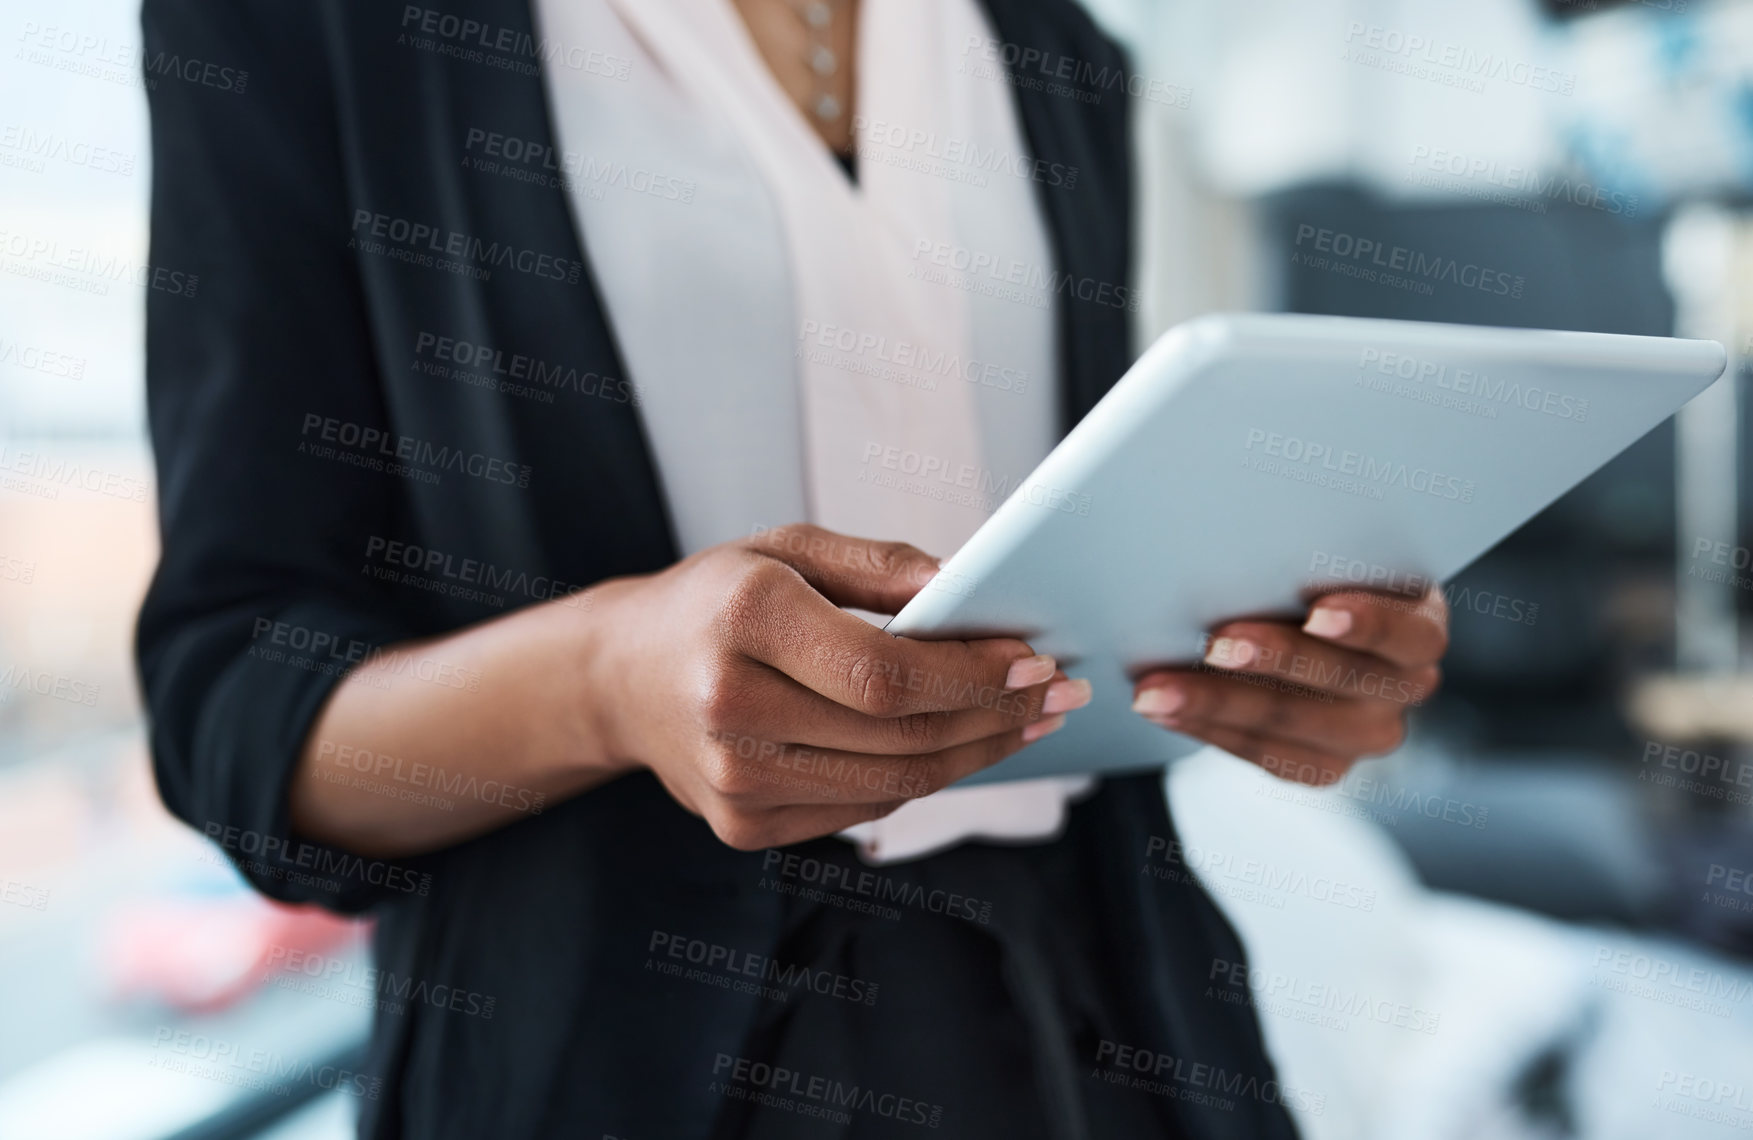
(1247, 459)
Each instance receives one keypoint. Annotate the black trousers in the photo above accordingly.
(1004, 994)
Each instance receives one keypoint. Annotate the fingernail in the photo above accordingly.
(1030, 671)
(1230, 653)
(1046, 726)
(1324, 622)
(1063, 696)
(1161, 700)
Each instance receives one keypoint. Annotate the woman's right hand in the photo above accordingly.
(777, 716)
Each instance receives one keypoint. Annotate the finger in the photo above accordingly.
(1284, 759)
(1407, 631)
(1318, 720)
(782, 621)
(871, 575)
(1278, 652)
(814, 721)
(794, 823)
(751, 775)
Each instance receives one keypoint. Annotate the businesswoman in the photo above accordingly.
(563, 381)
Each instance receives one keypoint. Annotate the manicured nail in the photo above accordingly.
(1324, 622)
(1046, 726)
(1162, 700)
(1230, 653)
(1063, 696)
(1030, 671)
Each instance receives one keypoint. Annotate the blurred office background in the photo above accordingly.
(1558, 866)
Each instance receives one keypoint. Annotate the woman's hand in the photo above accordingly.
(777, 716)
(1307, 704)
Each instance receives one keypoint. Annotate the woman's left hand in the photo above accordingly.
(1307, 704)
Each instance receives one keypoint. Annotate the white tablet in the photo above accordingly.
(1248, 459)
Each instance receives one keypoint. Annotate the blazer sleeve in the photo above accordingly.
(255, 321)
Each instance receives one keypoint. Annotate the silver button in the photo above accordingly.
(827, 108)
(823, 61)
(817, 14)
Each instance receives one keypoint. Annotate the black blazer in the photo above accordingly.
(302, 422)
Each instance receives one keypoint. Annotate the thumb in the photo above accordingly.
(860, 572)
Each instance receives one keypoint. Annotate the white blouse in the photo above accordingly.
(695, 205)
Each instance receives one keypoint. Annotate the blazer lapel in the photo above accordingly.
(489, 167)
